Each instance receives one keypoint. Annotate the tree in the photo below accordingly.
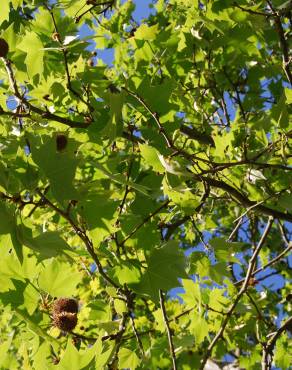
(153, 192)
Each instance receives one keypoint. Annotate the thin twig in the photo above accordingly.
(82, 235)
(270, 263)
(168, 330)
(148, 218)
(268, 322)
(66, 63)
(43, 113)
(268, 348)
(167, 139)
(103, 11)
(137, 336)
(283, 233)
(153, 114)
(243, 200)
(253, 12)
(283, 42)
(239, 294)
(236, 228)
(118, 339)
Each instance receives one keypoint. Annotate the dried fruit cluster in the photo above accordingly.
(4, 48)
(65, 314)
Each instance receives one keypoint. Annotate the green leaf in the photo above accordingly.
(4, 349)
(150, 156)
(59, 279)
(180, 194)
(127, 273)
(33, 47)
(144, 32)
(282, 357)
(192, 293)
(76, 360)
(4, 14)
(225, 251)
(122, 180)
(59, 167)
(199, 328)
(100, 213)
(288, 94)
(165, 265)
(48, 244)
(8, 226)
(114, 128)
(128, 359)
(36, 329)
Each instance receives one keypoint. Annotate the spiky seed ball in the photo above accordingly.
(65, 321)
(61, 142)
(65, 305)
(4, 48)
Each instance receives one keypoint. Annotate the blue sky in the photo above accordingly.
(142, 11)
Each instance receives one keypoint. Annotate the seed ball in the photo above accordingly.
(61, 142)
(90, 63)
(65, 321)
(4, 48)
(65, 305)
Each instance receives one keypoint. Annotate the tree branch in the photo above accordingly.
(148, 218)
(168, 330)
(268, 348)
(137, 336)
(238, 296)
(283, 42)
(270, 263)
(243, 200)
(82, 235)
(108, 3)
(65, 52)
(253, 12)
(43, 113)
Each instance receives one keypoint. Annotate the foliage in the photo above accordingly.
(169, 168)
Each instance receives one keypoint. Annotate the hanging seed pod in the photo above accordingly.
(4, 48)
(65, 321)
(65, 305)
(61, 142)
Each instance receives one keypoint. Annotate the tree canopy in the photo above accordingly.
(145, 201)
